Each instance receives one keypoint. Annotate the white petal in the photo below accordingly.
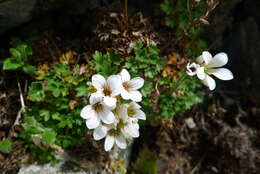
(109, 142)
(107, 116)
(110, 101)
(136, 96)
(207, 57)
(98, 81)
(115, 84)
(200, 73)
(120, 142)
(131, 130)
(210, 82)
(136, 83)
(200, 59)
(218, 60)
(135, 105)
(100, 132)
(122, 112)
(125, 76)
(136, 125)
(95, 98)
(87, 112)
(191, 73)
(140, 115)
(125, 94)
(222, 73)
(192, 68)
(93, 122)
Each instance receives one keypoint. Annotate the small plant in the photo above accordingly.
(20, 53)
(54, 112)
(5, 146)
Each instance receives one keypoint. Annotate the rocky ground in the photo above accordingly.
(220, 137)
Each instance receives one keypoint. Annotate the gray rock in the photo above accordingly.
(15, 12)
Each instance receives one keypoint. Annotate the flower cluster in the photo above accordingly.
(113, 111)
(207, 65)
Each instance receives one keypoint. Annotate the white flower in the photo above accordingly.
(128, 115)
(97, 111)
(118, 132)
(206, 66)
(108, 89)
(133, 111)
(131, 86)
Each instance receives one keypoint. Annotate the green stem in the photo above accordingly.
(180, 82)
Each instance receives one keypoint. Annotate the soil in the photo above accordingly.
(226, 135)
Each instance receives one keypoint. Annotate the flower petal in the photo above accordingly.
(222, 73)
(125, 94)
(120, 142)
(115, 84)
(125, 76)
(218, 60)
(200, 73)
(100, 132)
(95, 98)
(210, 82)
(136, 96)
(87, 112)
(93, 122)
(110, 101)
(207, 57)
(140, 115)
(107, 116)
(136, 83)
(192, 68)
(200, 59)
(109, 142)
(135, 105)
(131, 130)
(98, 81)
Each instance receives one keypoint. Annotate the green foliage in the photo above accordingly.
(60, 93)
(146, 63)
(19, 57)
(180, 13)
(145, 163)
(171, 103)
(105, 64)
(183, 17)
(55, 111)
(6, 146)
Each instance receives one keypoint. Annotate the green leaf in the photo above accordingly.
(36, 92)
(45, 114)
(82, 91)
(6, 146)
(49, 136)
(15, 53)
(29, 69)
(11, 64)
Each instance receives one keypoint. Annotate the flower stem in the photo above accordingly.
(180, 82)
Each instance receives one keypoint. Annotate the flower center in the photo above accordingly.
(193, 69)
(98, 107)
(107, 91)
(117, 131)
(127, 86)
(130, 111)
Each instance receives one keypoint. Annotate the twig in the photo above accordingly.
(126, 14)
(19, 114)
